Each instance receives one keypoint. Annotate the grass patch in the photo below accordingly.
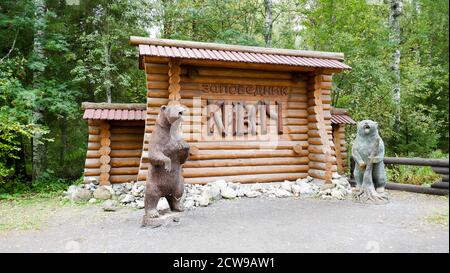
(438, 218)
(28, 211)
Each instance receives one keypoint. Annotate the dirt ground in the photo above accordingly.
(409, 223)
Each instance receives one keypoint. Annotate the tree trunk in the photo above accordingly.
(38, 52)
(108, 80)
(268, 23)
(63, 135)
(396, 9)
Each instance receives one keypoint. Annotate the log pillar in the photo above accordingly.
(105, 150)
(320, 146)
(338, 147)
(174, 82)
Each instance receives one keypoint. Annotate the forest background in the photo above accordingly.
(55, 54)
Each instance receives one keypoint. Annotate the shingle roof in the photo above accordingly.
(230, 53)
(341, 116)
(136, 111)
(113, 111)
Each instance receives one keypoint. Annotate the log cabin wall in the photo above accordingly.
(92, 163)
(234, 158)
(114, 151)
(254, 114)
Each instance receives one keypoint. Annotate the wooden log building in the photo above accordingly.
(254, 114)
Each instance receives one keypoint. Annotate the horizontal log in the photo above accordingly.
(296, 114)
(440, 185)
(128, 130)
(298, 90)
(316, 157)
(298, 98)
(239, 73)
(156, 68)
(298, 137)
(122, 178)
(93, 145)
(416, 188)
(319, 174)
(321, 166)
(296, 121)
(241, 170)
(252, 178)
(93, 131)
(158, 102)
(92, 163)
(126, 162)
(319, 149)
(157, 77)
(417, 161)
(246, 162)
(297, 105)
(94, 138)
(93, 154)
(126, 145)
(91, 171)
(223, 154)
(157, 84)
(297, 129)
(242, 80)
(125, 171)
(126, 153)
(187, 128)
(315, 126)
(243, 145)
(128, 137)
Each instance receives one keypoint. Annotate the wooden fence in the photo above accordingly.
(440, 166)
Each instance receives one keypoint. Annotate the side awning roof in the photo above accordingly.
(114, 111)
(137, 111)
(341, 116)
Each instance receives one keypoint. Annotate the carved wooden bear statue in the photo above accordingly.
(167, 152)
(370, 175)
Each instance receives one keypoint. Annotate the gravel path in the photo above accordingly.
(249, 225)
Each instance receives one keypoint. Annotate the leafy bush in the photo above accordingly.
(47, 183)
(411, 175)
(415, 175)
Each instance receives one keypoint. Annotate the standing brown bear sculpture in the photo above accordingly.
(166, 152)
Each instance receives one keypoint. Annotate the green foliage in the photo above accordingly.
(86, 52)
(412, 175)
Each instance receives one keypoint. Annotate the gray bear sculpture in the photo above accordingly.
(368, 153)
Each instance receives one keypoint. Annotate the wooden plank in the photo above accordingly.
(223, 171)
(246, 162)
(252, 178)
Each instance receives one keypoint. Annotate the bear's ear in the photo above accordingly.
(163, 108)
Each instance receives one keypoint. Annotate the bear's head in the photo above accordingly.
(367, 128)
(171, 114)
